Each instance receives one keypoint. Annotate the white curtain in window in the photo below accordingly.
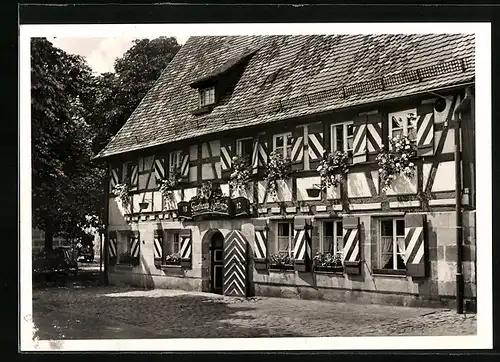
(386, 250)
(400, 241)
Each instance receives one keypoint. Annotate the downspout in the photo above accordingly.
(458, 201)
(106, 225)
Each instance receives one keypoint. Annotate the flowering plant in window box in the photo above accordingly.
(169, 184)
(126, 258)
(396, 160)
(278, 168)
(280, 261)
(327, 262)
(122, 191)
(173, 259)
(240, 177)
(332, 168)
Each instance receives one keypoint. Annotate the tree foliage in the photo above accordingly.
(74, 115)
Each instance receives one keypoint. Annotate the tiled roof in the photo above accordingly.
(314, 73)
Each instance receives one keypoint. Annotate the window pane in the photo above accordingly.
(397, 122)
(386, 228)
(246, 148)
(283, 243)
(279, 141)
(412, 133)
(340, 244)
(339, 138)
(339, 228)
(328, 228)
(397, 133)
(350, 130)
(283, 229)
(175, 243)
(400, 227)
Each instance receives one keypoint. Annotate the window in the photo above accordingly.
(403, 123)
(207, 96)
(284, 143)
(175, 242)
(332, 239)
(391, 244)
(174, 161)
(342, 137)
(285, 238)
(244, 148)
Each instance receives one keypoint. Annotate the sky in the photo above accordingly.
(100, 53)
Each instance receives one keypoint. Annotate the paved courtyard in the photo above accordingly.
(97, 312)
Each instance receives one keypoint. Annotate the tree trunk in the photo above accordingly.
(49, 239)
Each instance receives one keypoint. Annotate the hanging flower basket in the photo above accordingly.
(332, 168)
(396, 161)
(278, 169)
(241, 175)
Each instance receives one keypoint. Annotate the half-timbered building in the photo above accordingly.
(223, 99)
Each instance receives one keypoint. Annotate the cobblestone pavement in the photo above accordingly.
(118, 312)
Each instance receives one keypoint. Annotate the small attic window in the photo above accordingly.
(207, 96)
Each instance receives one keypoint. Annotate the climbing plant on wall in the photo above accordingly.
(278, 168)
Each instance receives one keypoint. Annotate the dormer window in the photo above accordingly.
(207, 96)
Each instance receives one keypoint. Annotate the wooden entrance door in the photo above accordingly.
(216, 263)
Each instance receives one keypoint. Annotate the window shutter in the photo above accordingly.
(259, 154)
(115, 177)
(373, 135)
(260, 246)
(315, 145)
(158, 248)
(185, 166)
(112, 238)
(415, 248)
(302, 243)
(135, 244)
(425, 129)
(359, 139)
(297, 155)
(227, 151)
(186, 248)
(159, 166)
(351, 251)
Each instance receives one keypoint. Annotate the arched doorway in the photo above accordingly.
(216, 262)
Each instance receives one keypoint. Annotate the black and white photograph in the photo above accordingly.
(227, 187)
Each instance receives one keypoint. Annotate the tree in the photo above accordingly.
(63, 180)
(119, 93)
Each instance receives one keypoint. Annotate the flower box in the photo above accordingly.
(329, 269)
(186, 263)
(352, 267)
(129, 260)
(171, 262)
(302, 266)
(260, 264)
(281, 266)
(314, 192)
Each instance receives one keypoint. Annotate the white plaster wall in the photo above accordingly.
(403, 185)
(445, 177)
(357, 185)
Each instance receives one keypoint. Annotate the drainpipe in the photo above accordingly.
(458, 201)
(106, 225)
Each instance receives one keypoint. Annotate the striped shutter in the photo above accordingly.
(185, 166)
(415, 245)
(260, 247)
(425, 129)
(227, 151)
(135, 244)
(297, 155)
(259, 154)
(112, 238)
(116, 173)
(158, 247)
(133, 174)
(351, 251)
(159, 167)
(186, 247)
(359, 140)
(235, 265)
(315, 144)
(373, 134)
(302, 244)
